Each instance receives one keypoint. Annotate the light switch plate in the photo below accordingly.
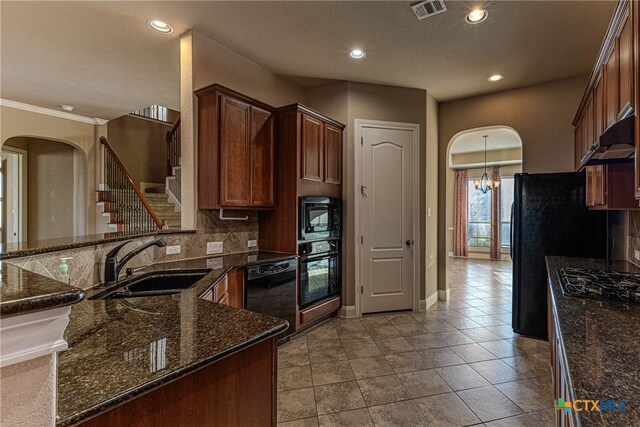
(252, 243)
(636, 255)
(214, 248)
(214, 263)
(252, 258)
(172, 250)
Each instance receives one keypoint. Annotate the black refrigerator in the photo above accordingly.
(548, 217)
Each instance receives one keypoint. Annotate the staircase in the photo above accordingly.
(168, 212)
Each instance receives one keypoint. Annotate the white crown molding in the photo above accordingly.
(50, 112)
(32, 335)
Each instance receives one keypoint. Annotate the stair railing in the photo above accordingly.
(132, 209)
(173, 147)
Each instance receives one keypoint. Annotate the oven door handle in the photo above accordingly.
(327, 255)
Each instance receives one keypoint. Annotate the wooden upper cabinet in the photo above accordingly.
(589, 123)
(262, 158)
(598, 107)
(578, 144)
(612, 87)
(311, 149)
(626, 67)
(332, 154)
(235, 149)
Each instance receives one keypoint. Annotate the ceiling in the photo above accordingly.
(499, 138)
(102, 58)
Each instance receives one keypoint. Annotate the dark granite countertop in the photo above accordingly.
(601, 342)
(121, 348)
(23, 292)
(22, 249)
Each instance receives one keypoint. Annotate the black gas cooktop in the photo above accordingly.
(600, 284)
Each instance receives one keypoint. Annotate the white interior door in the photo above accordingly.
(387, 219)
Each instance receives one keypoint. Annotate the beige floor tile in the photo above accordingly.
(496, 371)
(338, 397)
(296, 404)
(528, 365)
(355, 350)
(501, 348)
(453, 338)
(405, 414)
(435, 326)
(294, 377)
(481, 334)
(381, 332)
(529, 345)
(400, 318)
(353, 418)
(368, 367)
(426, 341)
(446, 410)
(332, 372)
(441, 357)
(394, 345)
(305, 422)
(373, 321)
(463, 323)
(488, 403)
(381, 390)
(461, 377)
(423, 383)
(472, 353)
(487, 320)
(531, 394)
(407, 362)
(326, 353)
(409, 329)
(534, 419)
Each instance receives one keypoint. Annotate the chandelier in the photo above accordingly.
(485, 183)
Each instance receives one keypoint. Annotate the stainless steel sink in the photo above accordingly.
(153, 284)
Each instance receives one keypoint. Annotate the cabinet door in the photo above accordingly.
(312, 150)
(589, 124)
(262, 158)
(599, 185)
(236, 287)
(625, 44)
(234, 153)
(612, 87)
(332, 154)
(599, 107)
(578, 144)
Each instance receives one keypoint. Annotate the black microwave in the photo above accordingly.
(320, 218)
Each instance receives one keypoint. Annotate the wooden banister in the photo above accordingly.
(173, 147)
(159, 223)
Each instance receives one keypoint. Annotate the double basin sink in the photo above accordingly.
(152, 284)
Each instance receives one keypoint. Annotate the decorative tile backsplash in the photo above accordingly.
(86, 269)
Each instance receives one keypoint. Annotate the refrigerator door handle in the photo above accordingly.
(511, 235)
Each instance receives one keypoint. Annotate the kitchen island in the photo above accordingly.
(170, 360)
(595, 348)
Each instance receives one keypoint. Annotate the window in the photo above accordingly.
(506, 200)
(478, 217)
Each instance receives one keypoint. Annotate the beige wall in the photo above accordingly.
(19, 123)
(29, 389)
(55, 191)
(141, 146)
(541, 115)
(348, 101)
(215, 63)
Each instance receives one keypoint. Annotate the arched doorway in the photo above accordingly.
(43, 189)
(466, 152)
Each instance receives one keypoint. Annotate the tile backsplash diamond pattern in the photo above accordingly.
(86, 269)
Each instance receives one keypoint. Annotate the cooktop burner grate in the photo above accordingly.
(600, 284)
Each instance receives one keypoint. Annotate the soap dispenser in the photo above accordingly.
(63, 269)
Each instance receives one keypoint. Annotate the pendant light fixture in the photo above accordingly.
(485, 183)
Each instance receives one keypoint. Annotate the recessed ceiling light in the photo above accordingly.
(66, 107)
(476, 16)
(161, 26)
(496, 77)
(357, 54)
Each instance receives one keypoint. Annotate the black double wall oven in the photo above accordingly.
(319, 249)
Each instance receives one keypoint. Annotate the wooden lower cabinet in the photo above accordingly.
(238, 390)
(229, 290)
(559, 370)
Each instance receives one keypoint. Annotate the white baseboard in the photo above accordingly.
(432, 299)
(347, 311)
(444, 295)
(422, 305)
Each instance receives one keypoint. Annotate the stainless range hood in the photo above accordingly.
(616, 145)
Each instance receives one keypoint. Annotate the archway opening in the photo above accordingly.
(43, 190)
(466, 152)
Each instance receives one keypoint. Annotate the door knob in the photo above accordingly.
(409, 242)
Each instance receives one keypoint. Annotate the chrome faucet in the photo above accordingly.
(112, 266)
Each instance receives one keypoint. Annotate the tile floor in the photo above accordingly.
(457, 364)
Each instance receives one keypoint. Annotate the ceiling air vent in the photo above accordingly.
(428, 8)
